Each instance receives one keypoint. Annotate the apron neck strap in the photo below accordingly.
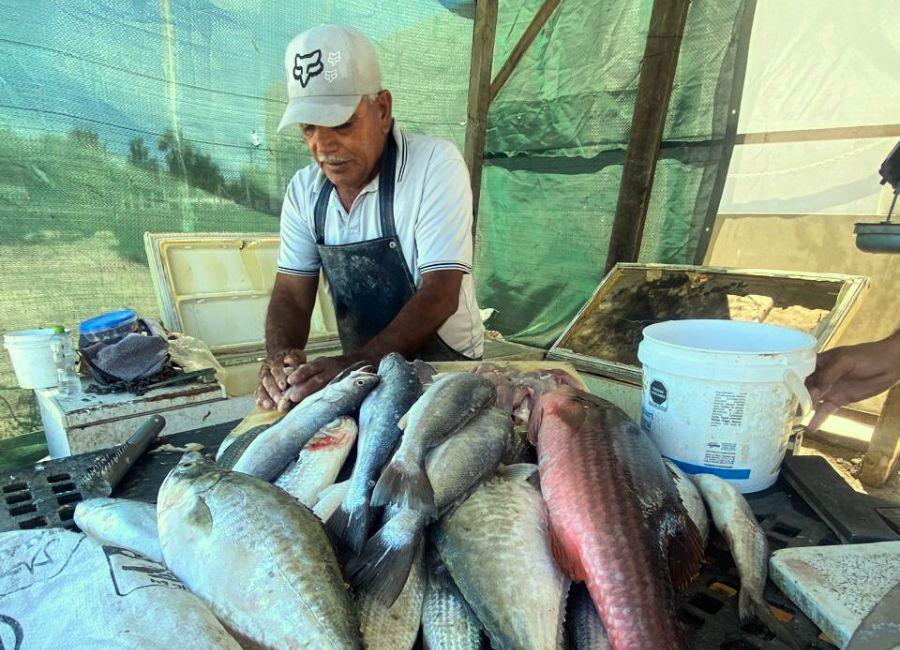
(386, 180)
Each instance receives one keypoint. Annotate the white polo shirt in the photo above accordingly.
(432, 217)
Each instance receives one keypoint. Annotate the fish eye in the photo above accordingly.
(360, 382)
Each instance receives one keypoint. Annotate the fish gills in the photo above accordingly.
(319, 461)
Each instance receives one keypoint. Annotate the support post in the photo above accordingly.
(483, 34)
(884, 448)
(647, 123)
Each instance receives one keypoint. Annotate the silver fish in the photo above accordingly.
(448, 623)
(747, 541)
(497, 549)
(446, 406)
(379, 434)
(124, 523)
(454, 469)
(583, 624)
(272, 450)
(691, 500)
(257, 557)
(319, 461)
(330, 500)
(395, 627)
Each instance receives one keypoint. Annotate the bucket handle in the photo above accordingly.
(798, 389)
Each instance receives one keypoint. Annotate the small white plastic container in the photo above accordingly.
(31, 356)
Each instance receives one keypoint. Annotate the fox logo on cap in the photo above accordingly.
(307, 66)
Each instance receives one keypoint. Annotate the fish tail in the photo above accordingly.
(776, 627)
(386, 559)
(405, 484)
(685, 552)
(350, 528)
(744, 604)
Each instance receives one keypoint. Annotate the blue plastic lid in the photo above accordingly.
(108, 320)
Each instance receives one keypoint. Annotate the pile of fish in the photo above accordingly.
(462, 506)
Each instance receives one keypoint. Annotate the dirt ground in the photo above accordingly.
(847, 463)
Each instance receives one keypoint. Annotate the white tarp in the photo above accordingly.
(816, 64)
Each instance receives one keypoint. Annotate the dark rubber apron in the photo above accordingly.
(370, 281)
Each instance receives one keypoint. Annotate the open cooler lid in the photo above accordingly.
(216, 287)
(603, 337)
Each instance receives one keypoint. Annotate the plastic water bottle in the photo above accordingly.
(68, 382)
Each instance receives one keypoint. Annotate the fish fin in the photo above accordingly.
(744, 605)
(534, 418)
(405, 484)
(349, 528)
(403, 421)
(199, 515)
(383, 567)
(685, 552)
(568, 564)
(517, 471)
(424, 372)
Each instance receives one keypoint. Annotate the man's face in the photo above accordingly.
(349, 153)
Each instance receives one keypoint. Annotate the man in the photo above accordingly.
(386, 215)
(853, 373)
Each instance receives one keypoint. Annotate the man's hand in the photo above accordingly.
(852, 373)
(313, 376)
(273, 380)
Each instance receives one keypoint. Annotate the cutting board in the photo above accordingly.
(836, 586)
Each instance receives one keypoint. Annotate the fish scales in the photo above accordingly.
(395, 627)
(496, 547)
(448, 623)
(257, 557)
(615, 541)
(447, 405)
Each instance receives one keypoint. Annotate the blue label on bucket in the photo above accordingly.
(690, 468)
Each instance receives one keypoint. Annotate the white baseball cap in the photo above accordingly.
(329, 69)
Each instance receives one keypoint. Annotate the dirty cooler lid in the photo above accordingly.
(603, 337)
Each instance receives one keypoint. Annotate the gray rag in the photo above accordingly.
(135, 356)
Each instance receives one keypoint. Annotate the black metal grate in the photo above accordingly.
(45, 495)
(708, 607)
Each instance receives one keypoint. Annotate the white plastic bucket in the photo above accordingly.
(720, 396)
(31, 357)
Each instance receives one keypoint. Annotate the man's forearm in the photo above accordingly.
(417, 321)
(285, 330)
(288, 318)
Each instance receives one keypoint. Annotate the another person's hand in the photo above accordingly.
(852, 373)
(313, 376)
(273, 380)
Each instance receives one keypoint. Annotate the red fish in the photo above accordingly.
(616, 520)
